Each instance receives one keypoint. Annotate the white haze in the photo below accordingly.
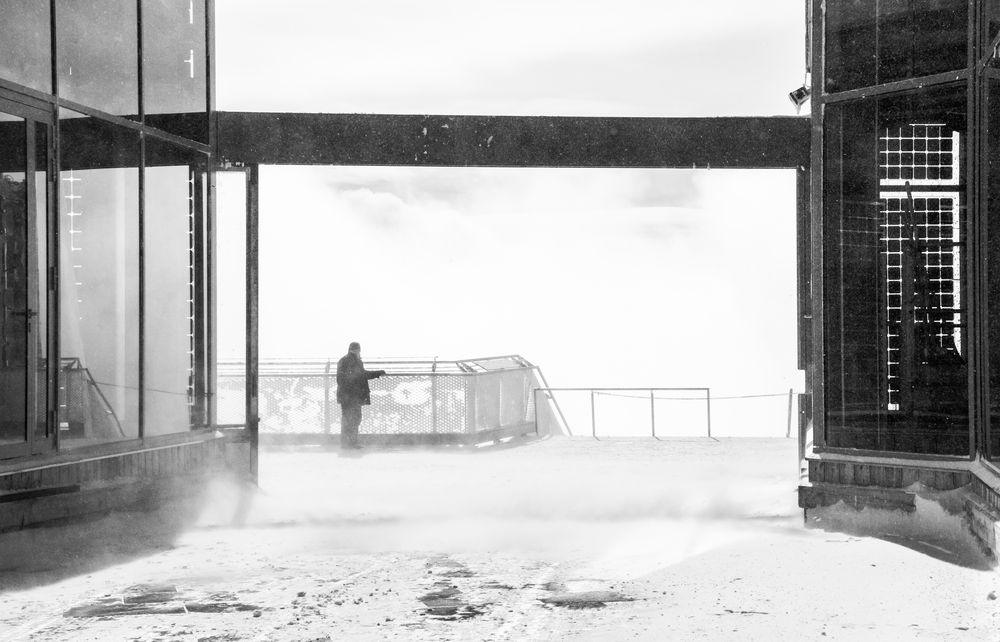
(645, 278)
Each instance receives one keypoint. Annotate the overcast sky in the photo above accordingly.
(519, 57)
(602, 277)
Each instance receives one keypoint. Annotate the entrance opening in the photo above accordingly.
(601, 277)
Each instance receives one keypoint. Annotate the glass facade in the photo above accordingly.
(871, 43)
(992, 277)
(99, 281)
(125, 357)
(911, 196)
(26, 44)
(98, 48)
(175, 89)
(895, 286)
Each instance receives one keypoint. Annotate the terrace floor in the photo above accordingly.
(559, 539)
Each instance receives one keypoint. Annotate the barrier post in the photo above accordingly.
(326, 399)
(788, 432)
(534, 401)
(708, 409)
(652, 411)
(593, 417)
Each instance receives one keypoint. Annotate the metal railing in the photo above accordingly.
(418, 400)
(658, 402)
(650, 392)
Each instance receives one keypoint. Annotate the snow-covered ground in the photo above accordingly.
(561, 539)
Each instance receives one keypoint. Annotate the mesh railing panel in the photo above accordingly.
(415, 404)
(301, 398)
(289, 404)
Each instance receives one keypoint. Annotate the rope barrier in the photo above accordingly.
(125, 387)
(714, 398)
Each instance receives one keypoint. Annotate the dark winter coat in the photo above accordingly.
(352, 381)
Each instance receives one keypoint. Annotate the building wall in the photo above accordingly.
(906, 332)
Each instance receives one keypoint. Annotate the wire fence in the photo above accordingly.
(428, 398)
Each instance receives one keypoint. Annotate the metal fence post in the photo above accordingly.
(434, 401)
(708, 409)
(652, 411)
(788, 432)
(534, 401)
(326, 399)
(593, 417)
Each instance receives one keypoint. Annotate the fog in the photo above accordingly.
(603, 278)
(537, 497)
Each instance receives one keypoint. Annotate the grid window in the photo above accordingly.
(919, 155)
(932, 219)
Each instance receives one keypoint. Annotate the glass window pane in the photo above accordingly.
(993, 263)
(992, 28)
(174, 73)
(893, 278)
(40, 301)
(169, 272)
(14, 286)
(921, 37)
(99, 281)
(850, 45)
(230, 294)
(26, 44)
(870, 43)
(97, 54)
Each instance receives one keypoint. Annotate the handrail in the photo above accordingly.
(652, 402)
(402, 366)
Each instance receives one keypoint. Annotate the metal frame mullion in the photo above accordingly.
(969, 283)
(898, 86)
(140, 98)
(199, 297)
(31, 326)
(142, 287)
(252, 419)
(815, 384)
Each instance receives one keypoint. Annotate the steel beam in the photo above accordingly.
(511, 141)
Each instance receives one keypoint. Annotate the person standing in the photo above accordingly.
(352, 393)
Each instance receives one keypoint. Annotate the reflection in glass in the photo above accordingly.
(25, 44)
(175, 96)
(97, 53)
(993, 263)
(99, 282)
(14, 284)
(170, 314)
(895, 316)
(39, 301)
(869, 43)
(991, 11)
